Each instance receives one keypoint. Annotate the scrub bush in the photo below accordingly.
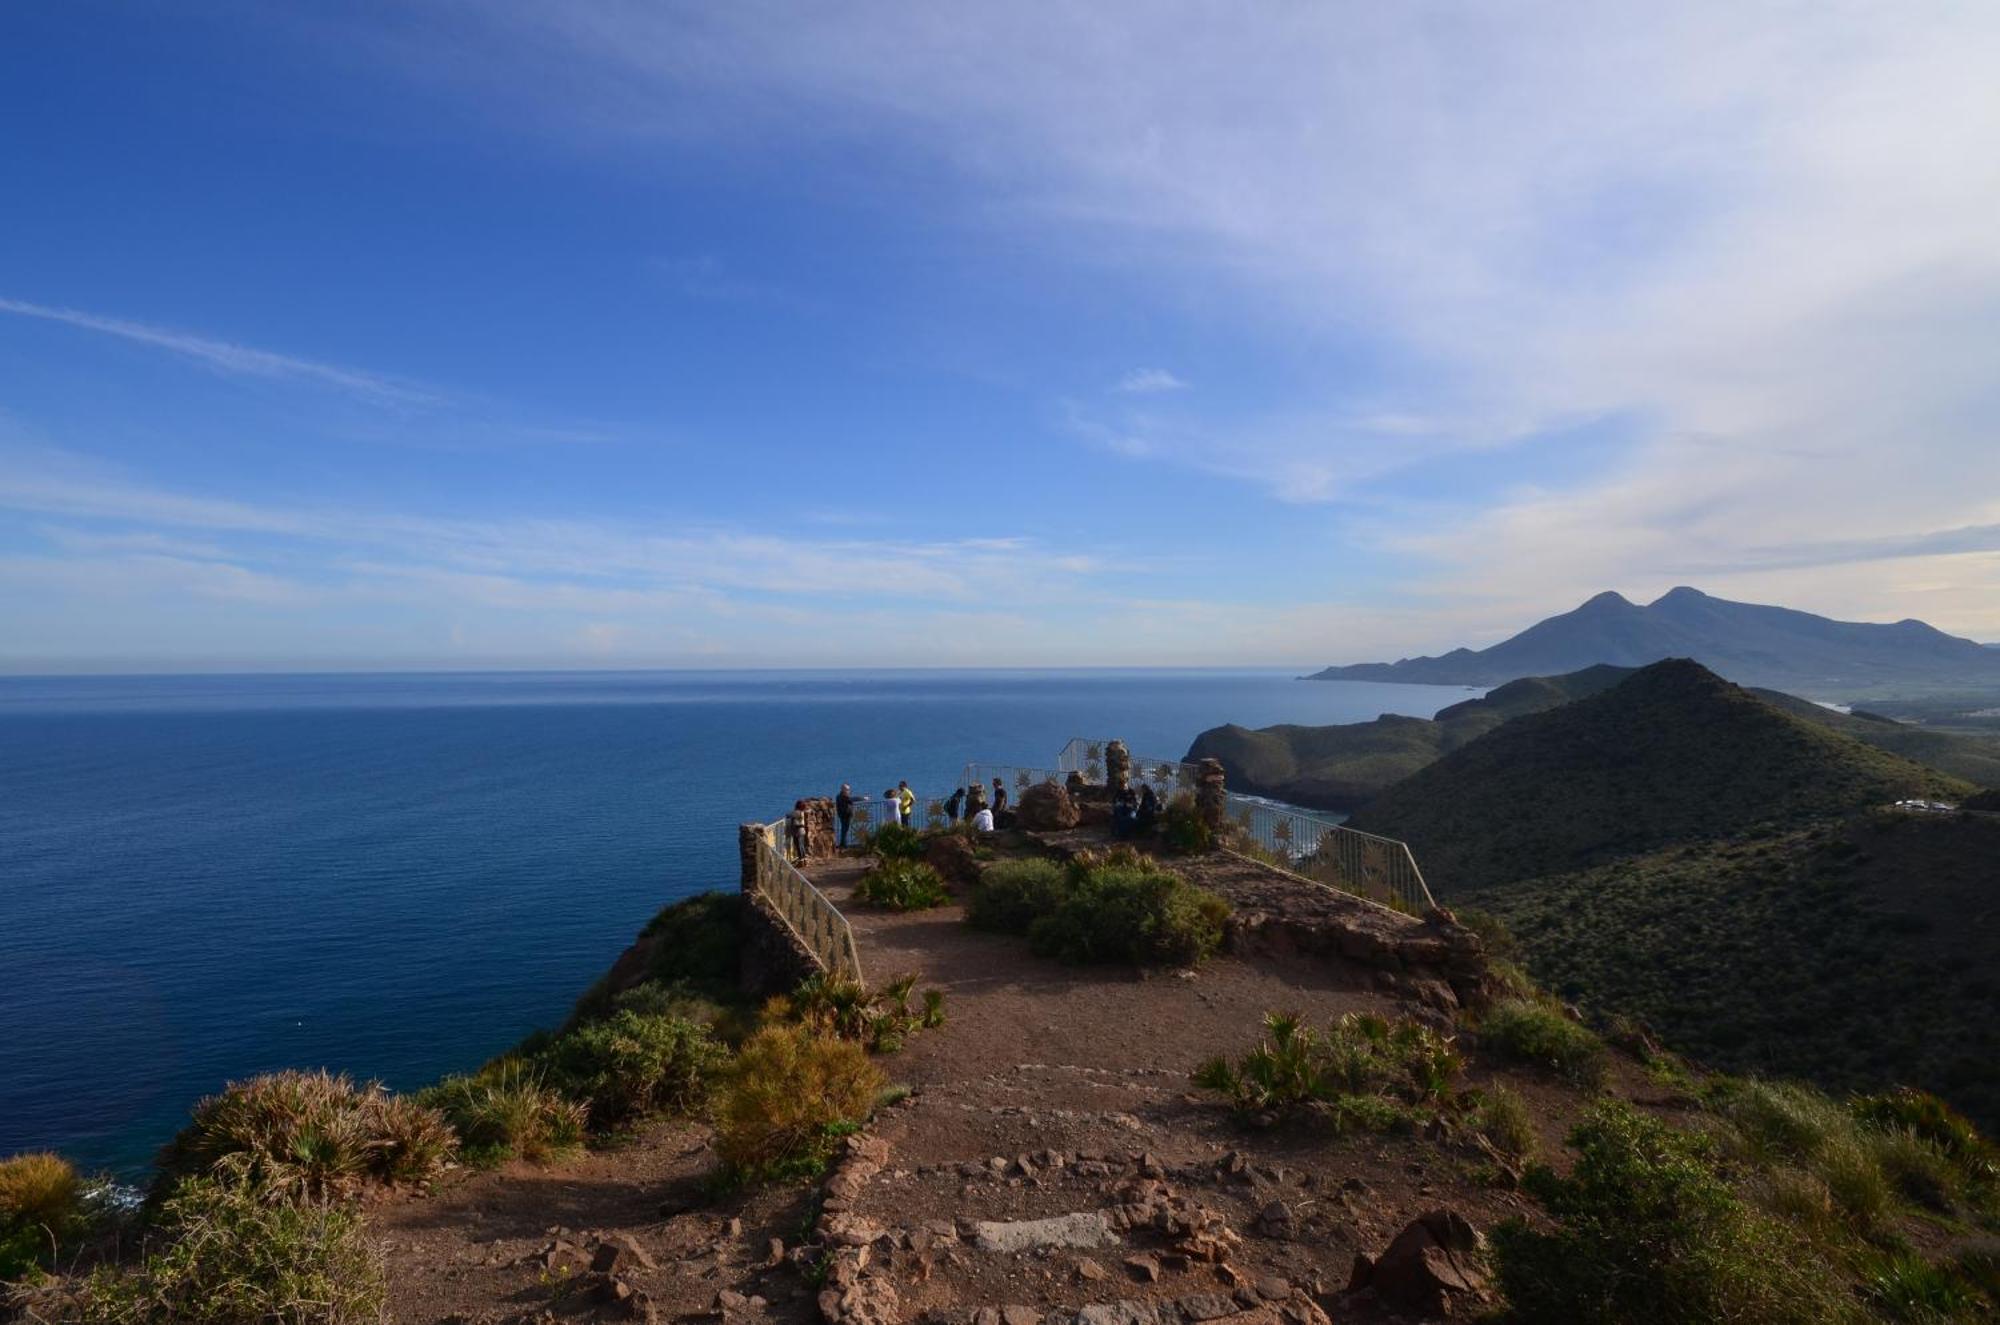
(231, 1256)
(902, 885)
(310, 1135)
(1645, 1231)
(506, 1110)
(41, 1209)
(790, 1092)
(632, 1064)
(1533, 1032)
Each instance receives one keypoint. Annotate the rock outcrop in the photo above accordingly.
(1046, 808)
(1436, 1266)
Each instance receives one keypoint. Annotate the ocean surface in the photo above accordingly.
(399, 875)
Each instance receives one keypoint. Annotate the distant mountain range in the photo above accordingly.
(1343, 767)
(1746, 642)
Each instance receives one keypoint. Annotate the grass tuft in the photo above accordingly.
(1534, 1032)
(506, 1111)
(790, 1092)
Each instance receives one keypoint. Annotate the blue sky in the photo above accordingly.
(659, 334)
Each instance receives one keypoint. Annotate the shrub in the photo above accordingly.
(233, 1257)
(1137, 914)
(881, 1019)
(1917, 1168)
(1926, 1116)
(895, 842)
(310, 1134)
(1010, 894)
(632, 1064)
(1506, 1123)
(1362, 1071)
(506, 1110)
(1532, 1032)
(1181, 824)
(790, 1085)
(41, 1208)
(1785, 1123)
(902, 885)
(1646, 1231)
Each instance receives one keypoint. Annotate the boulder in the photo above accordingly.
(1046, 807)
(1436, 1264)
(952, 857)
(1090, 1229)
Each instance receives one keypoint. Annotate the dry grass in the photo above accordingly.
(790, 1085)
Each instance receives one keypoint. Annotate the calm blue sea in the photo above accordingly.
(400, 875)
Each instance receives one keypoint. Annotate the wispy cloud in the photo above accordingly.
(1148, 382)
(228, 357)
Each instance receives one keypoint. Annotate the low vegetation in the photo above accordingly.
(634, 1063)
(507, 1110)
(1645, 1230)
(1723, 949)
(1364, 1072)
(311, 1135)
(902, 885)
(1117, 906)
(791, 1093)
(690, 947)
(223, 1252)
(895, 842)
(1183, 829)
(42, 1210)
(878, 1019)
(1528, 1030)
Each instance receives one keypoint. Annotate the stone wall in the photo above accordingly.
(773, 959)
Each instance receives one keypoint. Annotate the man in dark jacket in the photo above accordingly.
(843, 806)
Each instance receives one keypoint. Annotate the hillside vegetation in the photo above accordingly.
(1672, 754)
(1340, 767)
(1859, 955)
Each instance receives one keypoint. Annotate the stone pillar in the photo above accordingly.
(1117, 767)
(820, 839)
(975, 798)
(1211, 798)
(749, 842)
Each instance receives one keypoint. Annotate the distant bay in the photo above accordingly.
(398, 875)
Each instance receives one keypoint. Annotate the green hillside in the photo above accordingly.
(1859, 954)
(1340, 767)
(1972, 756)
(1672, 754)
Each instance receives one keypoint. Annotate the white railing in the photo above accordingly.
(816, 921)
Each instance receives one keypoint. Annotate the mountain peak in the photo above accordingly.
(1680, 593)
(1609, 598)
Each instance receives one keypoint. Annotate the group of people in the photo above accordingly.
(1131, 815)
(899, 806)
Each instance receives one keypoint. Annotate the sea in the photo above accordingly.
(399, 875)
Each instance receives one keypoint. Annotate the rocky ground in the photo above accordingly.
(1052, 1162)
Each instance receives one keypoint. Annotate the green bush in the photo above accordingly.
(1532, 1032)
(1010, 894)
(231, 1256)
(1185, 831)
(506, 1110)
(1117, 906)
(311, 1134)
(895, 842)
(632, 1064)
(1507, 1124)
(1132, 913)
(41, 1210)
(790, 1091)
(881, 1018)
(1777, 1123)
(902, 885)
(1646, 1232)
(1363, 1072)
(1924, 1115)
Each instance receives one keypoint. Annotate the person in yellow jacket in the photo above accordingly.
(906, 802)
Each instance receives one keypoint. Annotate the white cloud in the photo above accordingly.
(226, 357)
(1148, 382)
(1766, 230)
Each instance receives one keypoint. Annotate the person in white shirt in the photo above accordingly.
(982, 822)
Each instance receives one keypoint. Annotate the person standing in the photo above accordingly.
(906, 802)
(999, 797)
(795, 824)
(952, 802)
(843, 808)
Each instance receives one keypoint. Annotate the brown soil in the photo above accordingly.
(1049, 1090)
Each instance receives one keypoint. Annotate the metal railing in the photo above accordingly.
(1315, 845)
(816, 921)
